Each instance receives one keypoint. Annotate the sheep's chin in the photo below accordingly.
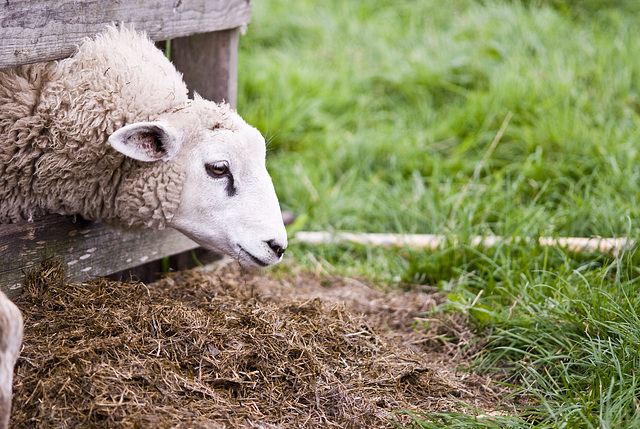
(257, 254)
(249, 259)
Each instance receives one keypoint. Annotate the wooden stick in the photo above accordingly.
(431, 241)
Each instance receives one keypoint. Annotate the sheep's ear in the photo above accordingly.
(146, 141)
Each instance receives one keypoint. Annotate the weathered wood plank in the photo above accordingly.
(87, 249)
(32, 31)
(212, 61)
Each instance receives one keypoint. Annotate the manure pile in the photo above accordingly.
(226, 347)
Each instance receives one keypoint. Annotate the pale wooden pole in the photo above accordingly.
(431, 241)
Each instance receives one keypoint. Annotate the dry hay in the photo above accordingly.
(229, 348)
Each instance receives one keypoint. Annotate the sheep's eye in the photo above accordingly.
(217, 169)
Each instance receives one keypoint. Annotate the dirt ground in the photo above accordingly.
(228, 347)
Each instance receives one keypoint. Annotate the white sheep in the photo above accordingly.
(110, 134)
(10, 340)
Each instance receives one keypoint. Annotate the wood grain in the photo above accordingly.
(33, 31)
(212, 61)
(87, 249)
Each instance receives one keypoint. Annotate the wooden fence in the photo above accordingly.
(204, 48)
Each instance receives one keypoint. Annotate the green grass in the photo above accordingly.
(568, 324)
(385, 116)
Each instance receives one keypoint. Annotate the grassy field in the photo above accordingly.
(387, 116)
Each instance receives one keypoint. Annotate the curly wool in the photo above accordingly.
(56, 117)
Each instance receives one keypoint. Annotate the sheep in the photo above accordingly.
(110, 134)
(10, 340)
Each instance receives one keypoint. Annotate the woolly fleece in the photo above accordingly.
(56, 117)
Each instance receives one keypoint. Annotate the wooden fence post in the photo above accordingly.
(210, 64)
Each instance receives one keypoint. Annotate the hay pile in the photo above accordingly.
(229, 348)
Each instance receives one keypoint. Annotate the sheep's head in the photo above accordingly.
(227, 201)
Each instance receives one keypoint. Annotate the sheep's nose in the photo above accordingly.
(277, 248)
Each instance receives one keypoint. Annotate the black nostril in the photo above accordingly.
(279, 250)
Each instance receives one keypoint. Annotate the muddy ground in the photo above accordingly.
(228, 347)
